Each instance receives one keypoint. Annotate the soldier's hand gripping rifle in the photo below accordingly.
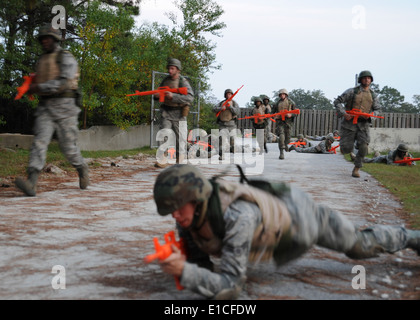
(334, 149)
(356, 113)
(283, 113)
(224, 105)
(161, 91)
(165, 250)
(25, 87)
(407, 160)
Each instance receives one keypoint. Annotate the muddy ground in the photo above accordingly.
(101, 235)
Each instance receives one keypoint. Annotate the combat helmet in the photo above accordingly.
(257, 99)
(228, 91)
(363, 74)
(48, 30)
(330, 137)
(179, 184)
(284, 91)
(174, 62)
(402, 147)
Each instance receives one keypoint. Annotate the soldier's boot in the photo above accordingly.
(28, 186)
(83, 171)
(281, 154)
(414, 240)
(355, 172)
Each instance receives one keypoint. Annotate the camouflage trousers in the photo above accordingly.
(314, 224)
(180, 139)
(358, 134)
(380, 159)
(227, 132)
(67, 133)
(308, 150)
(283, 131)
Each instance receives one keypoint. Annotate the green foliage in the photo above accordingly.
(314, 100)
(402, 181)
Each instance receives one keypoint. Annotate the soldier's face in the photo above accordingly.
(173, 72)
(366, 81)
(283, 96)
(184, 216)
(228, 95)
(47, 43)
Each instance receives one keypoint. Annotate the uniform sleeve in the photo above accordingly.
(341, 101)
(68, 70)
(218, 107)
(234, 108)
(241, 219)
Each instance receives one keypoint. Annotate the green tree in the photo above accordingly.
(314, 99)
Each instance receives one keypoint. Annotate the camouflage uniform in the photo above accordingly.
(176, 110)
(269, 109)
(261, 123)
(323, 147)
(303, 224)
(301, 139)
(227, 121)
(390, 158)
(284, 128)
(367, 102)
(57, 75)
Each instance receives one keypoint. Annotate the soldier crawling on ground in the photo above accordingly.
(394, 155)
(258, 221)
(323, 147)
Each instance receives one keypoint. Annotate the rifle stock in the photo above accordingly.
(25, 87)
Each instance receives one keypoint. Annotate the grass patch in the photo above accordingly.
(14, 162)
(403, 182)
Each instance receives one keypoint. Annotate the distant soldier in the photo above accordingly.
(258, 222)
(284, 128)
(56, 84)
(301, 142)
(260, 109)
(227, 120)
(363, 98)
(394, 155)
(175, 108)
(268, 109)
(323, 147)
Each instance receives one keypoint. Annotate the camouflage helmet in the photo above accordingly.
(402, 147)
(266, 98)
(175, 63)
(179, 184)
(257, 99)
(330, 137)
(283, 91)
(363, 74)
(228, 91)
(300, 136)
(48, 30)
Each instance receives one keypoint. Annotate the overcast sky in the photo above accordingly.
(272, 44)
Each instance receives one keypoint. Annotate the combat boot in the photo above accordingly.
(355, 172)
(28, 186)
(281, 154)
(414, 240)
(83, 171)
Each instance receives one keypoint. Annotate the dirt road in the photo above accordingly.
(93, 241)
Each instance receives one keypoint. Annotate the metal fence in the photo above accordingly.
(322, 122)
